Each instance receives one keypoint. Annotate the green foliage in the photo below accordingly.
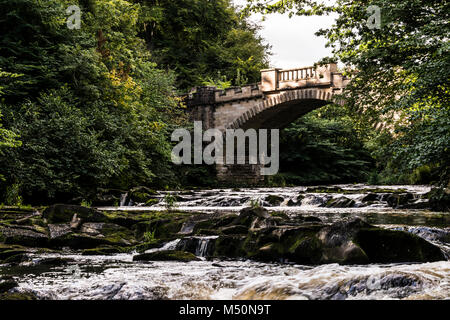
(400, 82)
(149, 236)
(91, 108)
(7, 137)
(255, 203)
(199, 38)
(12, 195)
(323, 147)
(220, 82)
(86, 203)
(170, 202)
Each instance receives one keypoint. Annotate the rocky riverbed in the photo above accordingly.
(334, 242)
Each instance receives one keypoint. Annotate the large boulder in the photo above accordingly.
(142, 195)
(351, 241)
(92, 235)
(24, 235)
(60, 213)
(254, 218)
(389, 246)
(273, 200)
(396, 200)
(341, 202)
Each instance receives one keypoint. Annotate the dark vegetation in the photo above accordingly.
(92, 109)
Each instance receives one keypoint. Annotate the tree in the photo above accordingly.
(323, 147)
(91, 108)
(203, 40)
(7, 137)
(400, 75)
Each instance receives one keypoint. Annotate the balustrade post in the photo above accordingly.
(269, 79)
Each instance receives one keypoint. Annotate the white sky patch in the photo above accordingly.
(293, 40)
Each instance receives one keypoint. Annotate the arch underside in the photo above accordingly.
(280, 116)
(279, 111)
(276, 112)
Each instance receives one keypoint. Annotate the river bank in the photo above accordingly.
(335, 242)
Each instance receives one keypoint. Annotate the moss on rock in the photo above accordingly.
(60, 213)
(166, 255)
(274, 200)
(18, 296)
(101, 251)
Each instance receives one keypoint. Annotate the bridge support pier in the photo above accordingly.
(240, 174)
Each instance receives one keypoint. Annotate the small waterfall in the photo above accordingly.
(205, 245)
(200, 246)
(123, 199)
(171, 245)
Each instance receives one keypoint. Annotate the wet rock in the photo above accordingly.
(15, 213)
(311, 219)
(7, 283)
(59, 230)
(54, 262)
(24, 295)
(342, 202)
(280, 214)
(415, 205)
(4, 255)
(109, 232)
(429, 233)
(229, 246)
(269, 252)
(439, 199)
(273, 200)
(395, 200)
(200, 246)
(292, 203)
(92, 235)
(237, 229)
(324, 189)
(254, 218)
(142, 195)
(26, 236)
(16, 259)
(351, 241)
(102, 251)
(166, 255)
(62, 213)
(370, 197)
(388, 246)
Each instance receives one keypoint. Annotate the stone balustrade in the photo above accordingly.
(279, 79)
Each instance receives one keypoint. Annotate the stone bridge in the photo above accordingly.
(280, 98)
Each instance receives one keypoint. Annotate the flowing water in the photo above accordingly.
(118, 277)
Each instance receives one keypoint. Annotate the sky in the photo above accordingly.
(293, 41)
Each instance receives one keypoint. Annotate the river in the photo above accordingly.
(118, 277)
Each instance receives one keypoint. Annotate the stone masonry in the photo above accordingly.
(280, 98)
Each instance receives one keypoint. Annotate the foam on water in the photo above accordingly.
(117, 277)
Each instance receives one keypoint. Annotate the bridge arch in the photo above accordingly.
(279, 110)
(279, 99)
